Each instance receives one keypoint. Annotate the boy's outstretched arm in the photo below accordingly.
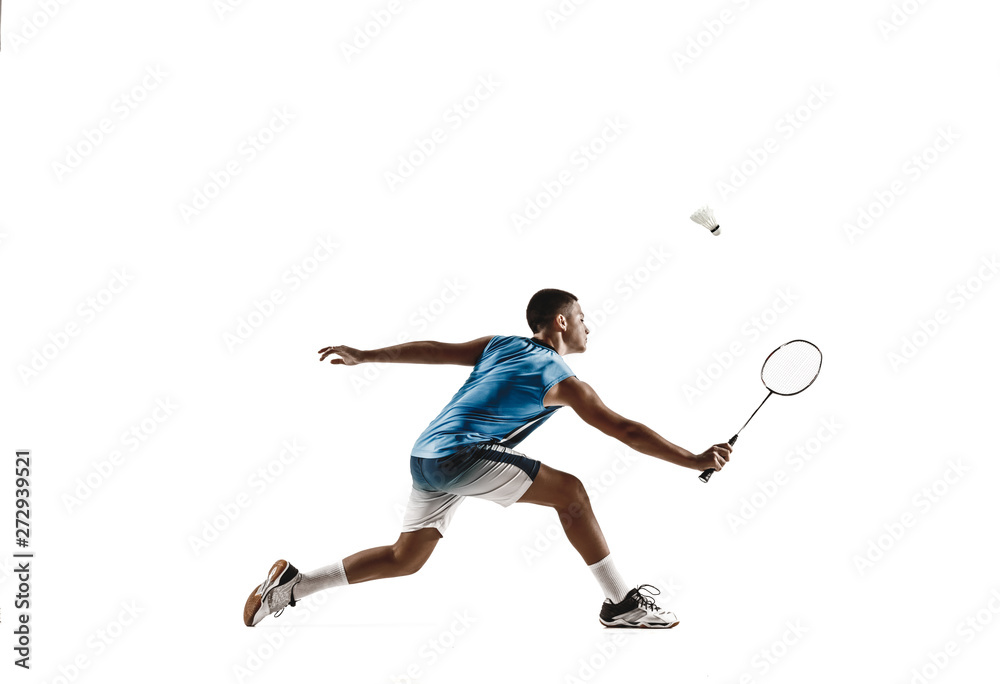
(462, 354)
(582, 398)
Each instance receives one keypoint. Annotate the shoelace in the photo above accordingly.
(291, 602)
(645, 600)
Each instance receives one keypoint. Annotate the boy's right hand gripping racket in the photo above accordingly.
(787, 370)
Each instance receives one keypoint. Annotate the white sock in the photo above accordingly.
(610, 579)
(318, 580)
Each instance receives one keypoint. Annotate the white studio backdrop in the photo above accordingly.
(195, 198)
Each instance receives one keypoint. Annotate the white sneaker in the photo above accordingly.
(637, 609)
(273, 594)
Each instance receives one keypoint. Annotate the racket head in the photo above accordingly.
(791, 368)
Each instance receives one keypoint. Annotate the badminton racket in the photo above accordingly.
(788, 370)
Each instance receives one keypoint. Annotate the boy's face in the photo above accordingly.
(576, 333)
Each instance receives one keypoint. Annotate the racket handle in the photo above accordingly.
(707, 475)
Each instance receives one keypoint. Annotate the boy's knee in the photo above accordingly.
(408, 559)
(410, 565)
(574, 494)
(575, 503)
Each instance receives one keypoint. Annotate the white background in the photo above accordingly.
(738, 565)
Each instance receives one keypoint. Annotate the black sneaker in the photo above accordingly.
(637, 609)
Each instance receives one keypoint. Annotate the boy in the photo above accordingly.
(516, 384)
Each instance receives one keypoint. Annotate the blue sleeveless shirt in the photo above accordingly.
(501, 402)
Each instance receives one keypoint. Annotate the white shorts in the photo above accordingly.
(485, 471)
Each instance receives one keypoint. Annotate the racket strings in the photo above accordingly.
(792, 367)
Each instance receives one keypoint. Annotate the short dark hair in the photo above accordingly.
(545, 305)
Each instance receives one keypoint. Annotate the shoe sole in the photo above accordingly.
(629, 625)
(255, 602)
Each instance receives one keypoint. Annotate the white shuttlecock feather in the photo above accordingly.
(705, 218)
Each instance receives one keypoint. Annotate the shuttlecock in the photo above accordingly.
(705, 217)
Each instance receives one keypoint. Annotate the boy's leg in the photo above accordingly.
(405, 557)
(567, 495)
(624, 607)
(427, 515)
